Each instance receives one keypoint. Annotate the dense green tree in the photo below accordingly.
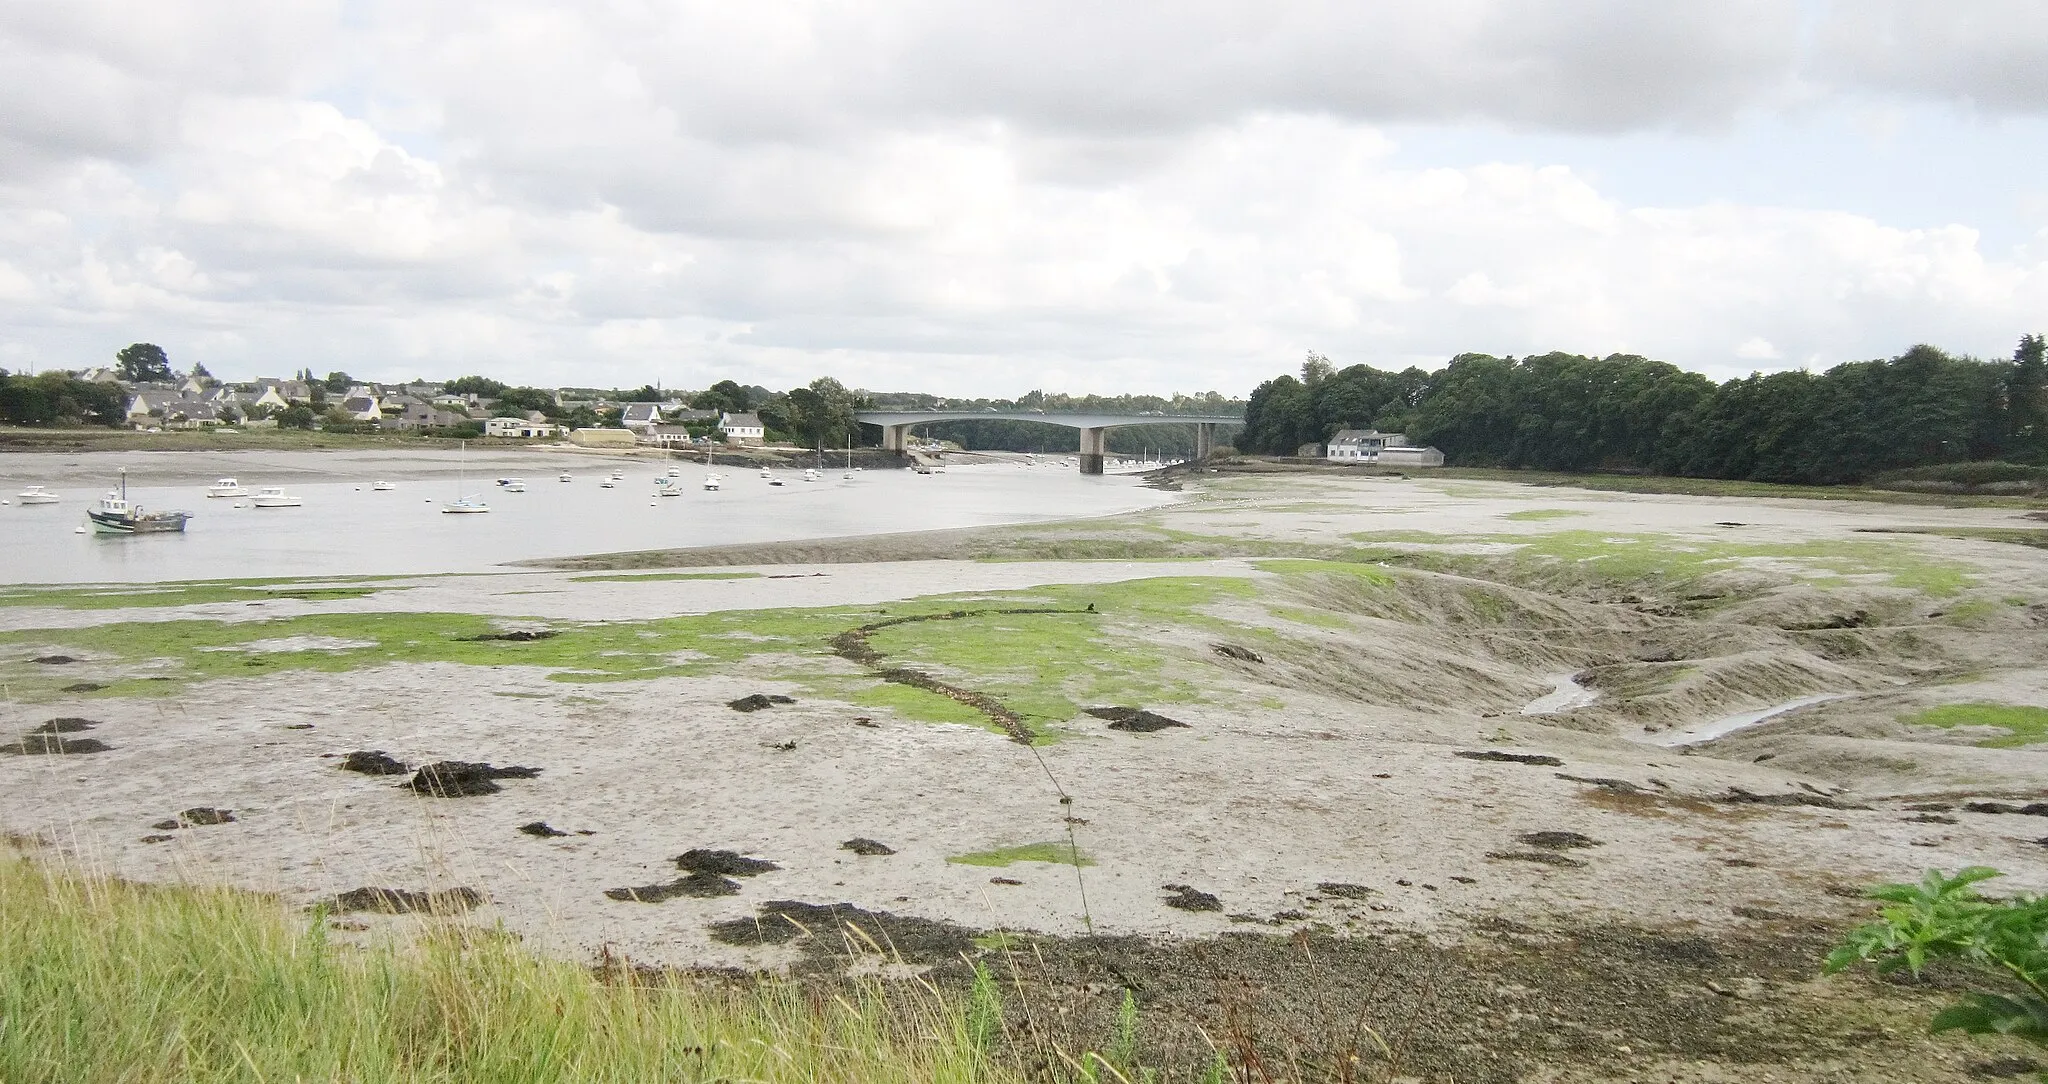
(338, 382)
(59, 398)
(139, 362)
(474, 385)
(725, 395)
(296, 416)
(523, 399)
(645, 393)
(2026, 398)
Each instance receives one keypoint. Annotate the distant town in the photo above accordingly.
(142, 390)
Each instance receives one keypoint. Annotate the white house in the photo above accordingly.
(518, 428)
(278, 394)
(739, 428)
(641, 417)
(1362, 445)
(362, 408)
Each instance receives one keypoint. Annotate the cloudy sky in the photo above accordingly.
(986, 198)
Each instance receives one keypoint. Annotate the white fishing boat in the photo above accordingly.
(711, 482)
(607, 484)
(810, 474)
(226, 487)
(512, 485)
(464, 503)
(667, 487)
(116, 516)
(381, 486)
(273, 497)
(36, 495)
(766, 473)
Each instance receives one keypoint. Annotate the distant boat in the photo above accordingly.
(766, 473)
(774, 481)
(381, 486)
(565, 477)
(607, 484)
(810, 474)
(274, 497)
(675, 472)
(226, 487)
(36, 495)
(512, 485)
(116, 516)
(463, 504)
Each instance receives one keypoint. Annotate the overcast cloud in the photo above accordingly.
(1078, 196)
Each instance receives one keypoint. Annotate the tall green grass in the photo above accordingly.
(103, 980)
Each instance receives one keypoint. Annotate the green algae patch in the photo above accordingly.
(2023, 725)
(1053, 851)
(657, 577)
(111, 596)
(1537, 515)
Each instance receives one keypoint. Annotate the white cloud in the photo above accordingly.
(1757, 348)
(1101, 197)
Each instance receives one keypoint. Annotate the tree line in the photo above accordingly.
(1623, 412)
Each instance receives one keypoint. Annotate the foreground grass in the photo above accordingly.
(107, 981)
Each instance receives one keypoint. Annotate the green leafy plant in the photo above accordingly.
(1944, 918)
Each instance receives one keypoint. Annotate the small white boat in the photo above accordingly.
(512, 485)
(381, 486)
(273, 497)
(766, 473)
(810, 474)
(618, 476)
(226, 487)
(564, 477)
(711, 482)
(675, 472)
(36, 495)
(774, 481)
(463, 504)
(607, 484)
(664, 487)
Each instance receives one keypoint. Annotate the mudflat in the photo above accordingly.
(1466, 780)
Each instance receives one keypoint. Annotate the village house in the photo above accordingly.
(742, 428)
(641, 417)
(151, 403)
(278, 394)
(1370, 446)
(517, 428)
(362, 408)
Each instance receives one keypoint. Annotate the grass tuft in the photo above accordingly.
(2023, 725)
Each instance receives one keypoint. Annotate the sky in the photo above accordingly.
(983, 199)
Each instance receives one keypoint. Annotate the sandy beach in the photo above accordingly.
(1369, 710)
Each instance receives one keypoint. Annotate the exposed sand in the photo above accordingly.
(1333, 760)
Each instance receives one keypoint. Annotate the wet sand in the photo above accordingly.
(1374, 743)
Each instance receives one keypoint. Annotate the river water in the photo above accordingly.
(346, 528)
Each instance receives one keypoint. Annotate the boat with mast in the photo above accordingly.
(464, 503)
(116, 516)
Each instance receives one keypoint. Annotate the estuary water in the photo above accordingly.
(346, 528)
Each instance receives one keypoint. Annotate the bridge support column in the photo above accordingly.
(893, 437)
(1205, 441)
(1092, 444)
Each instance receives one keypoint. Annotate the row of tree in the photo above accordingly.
(1623, 412)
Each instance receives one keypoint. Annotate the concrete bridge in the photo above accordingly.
(896, 426)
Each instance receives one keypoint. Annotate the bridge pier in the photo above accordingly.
(894, 437)
(1205, 441)
(1092, 445)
